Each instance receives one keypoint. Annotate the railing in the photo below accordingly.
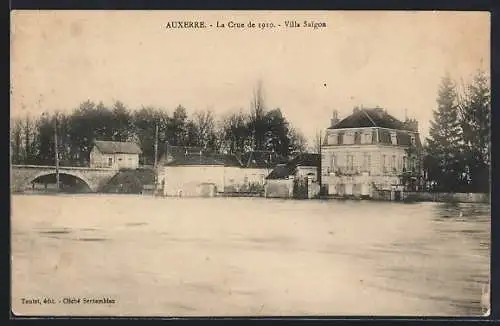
(60, 167)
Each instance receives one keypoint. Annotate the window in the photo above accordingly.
(350, 162)
(357, 137)
(333, 163)
(332, 139)
(349, 138)
(404, 164)
(366, 162)
(393, 162)
(120, 159)
(340, 138)
(383, 163)
(110, 161)
(394, 139)
(374, 136)
(367, 138)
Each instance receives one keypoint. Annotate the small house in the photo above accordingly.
(115, 155)
(258, 164)
(298, 178)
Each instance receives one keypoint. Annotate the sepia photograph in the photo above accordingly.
(250, 163)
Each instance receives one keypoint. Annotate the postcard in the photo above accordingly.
(250, 163)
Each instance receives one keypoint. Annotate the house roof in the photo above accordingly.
(260, 159)
(188, 155)
(307, 159)
(115, 147)
(283, 171)
(376, 117)
(191, 159)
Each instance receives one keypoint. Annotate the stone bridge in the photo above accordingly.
(23, 175)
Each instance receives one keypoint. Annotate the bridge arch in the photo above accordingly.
(73, 174)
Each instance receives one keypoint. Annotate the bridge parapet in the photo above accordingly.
(51, 167)
(23, 175)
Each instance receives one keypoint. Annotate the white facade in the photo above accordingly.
(360, 163)
(189, 180)
(310, 172)
(113, 160)
(186, 179)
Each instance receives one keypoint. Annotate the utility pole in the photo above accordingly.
(56, 150)
(156, 145)
(320, 168)
(156, 157)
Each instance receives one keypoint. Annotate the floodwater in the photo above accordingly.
(246, 256)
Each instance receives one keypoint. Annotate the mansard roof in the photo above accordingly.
(375, 117)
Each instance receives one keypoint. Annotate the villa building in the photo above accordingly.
(370, 150)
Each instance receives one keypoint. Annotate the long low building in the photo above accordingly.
(193, 171)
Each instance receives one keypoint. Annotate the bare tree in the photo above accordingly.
(298, 142)
(236, 132)
(317, 142)
(205, 125)
(257, 123)
(16, 140)
(28, 140)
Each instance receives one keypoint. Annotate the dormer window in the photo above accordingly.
(412, 139)
(357, 137)
(367, 137)
(332, 139)
(349, 138)
(394, 139)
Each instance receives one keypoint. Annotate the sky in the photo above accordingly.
(391, 59)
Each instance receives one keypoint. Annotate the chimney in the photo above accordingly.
(335, 118)
(411, 124)
(355, 110)
(379, 110)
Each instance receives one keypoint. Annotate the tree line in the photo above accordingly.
(457, 151)
(261, 128)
